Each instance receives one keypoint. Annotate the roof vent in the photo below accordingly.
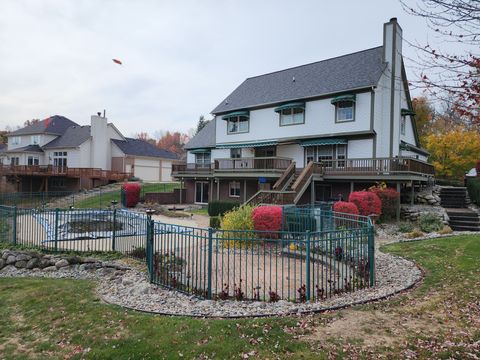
(394, 19)
(293, 79)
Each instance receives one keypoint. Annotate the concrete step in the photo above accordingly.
(465, 222)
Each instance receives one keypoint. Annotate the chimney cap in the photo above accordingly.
(99, 113)
(393, 19)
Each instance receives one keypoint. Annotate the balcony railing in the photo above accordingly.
(190, 168)
(376, 166)
(50, 170)
(253, 163)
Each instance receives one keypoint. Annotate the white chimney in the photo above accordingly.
(100, 142)
(392, 55)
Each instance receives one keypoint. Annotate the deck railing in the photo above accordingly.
(50, 170)
(378, 166)
(253, 163)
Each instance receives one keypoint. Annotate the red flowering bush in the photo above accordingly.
(345, 207)
(368, 203)
(390, 199)
(268, 218)
(130, 194)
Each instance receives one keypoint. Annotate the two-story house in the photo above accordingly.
(314, 132)
(58, 154)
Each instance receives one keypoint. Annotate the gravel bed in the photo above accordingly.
(131, 289)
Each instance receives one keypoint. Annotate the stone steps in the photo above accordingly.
(463, 219)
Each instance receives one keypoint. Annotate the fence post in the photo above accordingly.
(307, 264)
(114, 228)
(209, 273)
(14, 235)
(149, 246)
(371, 255)
(57, 210)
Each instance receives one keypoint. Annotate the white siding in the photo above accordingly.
(319, 120)
(116, 152)
(147, 169)
(293, 151)
(166, 171)
(358, 149)
(85, 154)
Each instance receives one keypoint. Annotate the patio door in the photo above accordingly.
(60, 161)
(202, 189)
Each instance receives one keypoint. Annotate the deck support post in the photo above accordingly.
(244, 190)
(218, 189)
(398, 204)
(352, 186)
(412, 199)
(312, 193)
(210, 190)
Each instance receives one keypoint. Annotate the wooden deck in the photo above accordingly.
(327, 168)
(49, 170)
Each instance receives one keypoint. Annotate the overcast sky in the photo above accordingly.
(180, 58)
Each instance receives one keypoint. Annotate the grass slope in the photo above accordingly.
(104, 199)
(42, 318)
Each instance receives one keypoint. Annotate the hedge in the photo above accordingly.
(269, 219)
(368, 203)
(219, 207)
(130, 194)
(390, 199)
(473, 186)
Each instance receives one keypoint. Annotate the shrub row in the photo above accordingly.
(219, 207)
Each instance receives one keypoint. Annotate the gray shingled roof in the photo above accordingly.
(26, 149)
(74, 136)
(56, 125)
(139, 147)
(205, 137)
(358, 70)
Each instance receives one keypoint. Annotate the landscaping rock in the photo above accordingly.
(32, 263)
(11, 259)
(2, 263)
(61, 263)
(50, 268)
(23, 257)
(21, 264)
(8, 269)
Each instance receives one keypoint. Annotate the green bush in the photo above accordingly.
(429, 222)
(473, 186)
(215, 222)
(405, 227)
(219, 207)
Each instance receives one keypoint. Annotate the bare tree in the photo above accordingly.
(444, 74)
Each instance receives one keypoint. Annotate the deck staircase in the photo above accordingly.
(289, 188)
(455, 200)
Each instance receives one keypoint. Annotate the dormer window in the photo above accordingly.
(35, 140)
(237, 122)
(344, 108)
(15, 140)
(291, 114)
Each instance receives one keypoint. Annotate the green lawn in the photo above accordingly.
(104, 199)
(201, 211)
(41, 318)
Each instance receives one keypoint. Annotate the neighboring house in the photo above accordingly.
(314, 132)
(59, 154)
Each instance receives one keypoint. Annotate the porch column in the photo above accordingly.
(412, 200)
(181, 190)
(218, 189)
(244, 190)
(210, 193)
(352, 186)
(312, 193)
(398, 205)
